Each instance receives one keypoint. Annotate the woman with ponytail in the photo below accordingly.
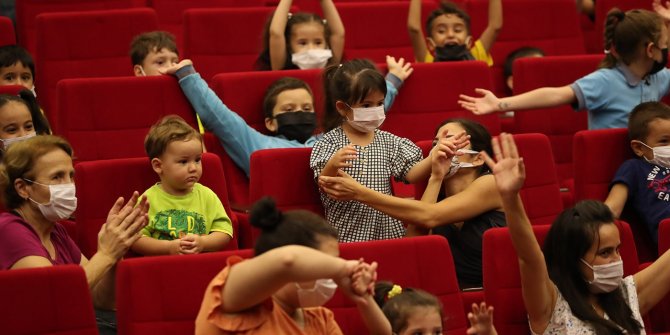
(283, 288)
(633, 71)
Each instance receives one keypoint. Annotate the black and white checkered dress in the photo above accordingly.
(386, 156)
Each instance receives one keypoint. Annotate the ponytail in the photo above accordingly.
(625, 33)
(614, 16)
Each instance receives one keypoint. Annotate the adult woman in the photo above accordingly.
(471, 205)
(37, 182)
(576, 287)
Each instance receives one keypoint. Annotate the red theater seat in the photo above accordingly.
(49, 300)
(100, 183)
(105, 118)
(85, 45)
(7, 35)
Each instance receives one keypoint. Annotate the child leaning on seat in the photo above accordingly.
(185, 217)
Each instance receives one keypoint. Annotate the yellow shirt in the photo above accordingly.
(478, 52)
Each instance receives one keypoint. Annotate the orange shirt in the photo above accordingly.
(265, 318)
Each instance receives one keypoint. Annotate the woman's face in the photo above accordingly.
(53, 168)
(15, 120)
(604, 250)
(455, 128)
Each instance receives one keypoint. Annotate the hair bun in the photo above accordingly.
(265, 215)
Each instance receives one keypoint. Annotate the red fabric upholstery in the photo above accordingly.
(664, 236)
(50, 300)
(551, 25)
(7, 35)
(11, 89)
(99, 183)
(106, 118)
(84, 45)
(502, 280)
(224, 40)
(559, 123)
(27, 11)
(430, 96)
(419, 262)
(171, 12)
(162, 295)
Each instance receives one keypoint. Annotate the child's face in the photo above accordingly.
(659, 135)
(604, 250)
(290, 101)
(180, 166)
(17, 74)
(510, 80)
(306, 36)
(423, 321)
(157, 61)
(373, 99)
(448, 29)
(15, 120)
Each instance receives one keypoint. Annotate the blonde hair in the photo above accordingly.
(169, 129)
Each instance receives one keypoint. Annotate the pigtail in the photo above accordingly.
(614, 17)
(331, 118)
(40, 122)
(382, 289)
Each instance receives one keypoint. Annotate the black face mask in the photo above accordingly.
(451, 52)
(297, 126)
(658, 66)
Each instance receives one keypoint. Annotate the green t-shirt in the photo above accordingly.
(199, 212)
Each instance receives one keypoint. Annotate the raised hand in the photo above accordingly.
(400, 68)
(508, 167)
(481, 320)
(662, 9)
(174, 68)
(123, 226)
(444, 150)
(487, 103)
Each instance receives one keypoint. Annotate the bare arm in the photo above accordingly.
(340, 159)
(653, 283)
(539, 98)
(195, 244)
(490, 34)
(420, 171)
(616, 199)
(277, 42)
(336, 30)
(416, 32)
(149, 246)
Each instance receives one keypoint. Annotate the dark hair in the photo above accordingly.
(263, 60)
(281, 85)
(571, 235)
(27, 99)
(516, 54)
(167, 130)
(155, 41)
(349, 82)
(11, 54)
(446, 8)
(298, 227)
(480, 138)
(642, 115)
(398, 309)
(626, 32)
(19, 160)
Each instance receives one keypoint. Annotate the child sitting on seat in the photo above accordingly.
(153, 51)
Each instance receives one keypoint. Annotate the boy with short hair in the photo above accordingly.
(17, 67)
(644, 180)
(153, 51)
(448, 30)
(185, 217)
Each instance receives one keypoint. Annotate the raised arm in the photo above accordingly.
(539, 98)
(490, 34)
(653, 283)
(539, 294)
(616, 199)
(416, 32)
(277, 40)
(336, 27)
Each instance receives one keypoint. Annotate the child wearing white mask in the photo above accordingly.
(641, 181)
(352, 144)
(269, 295)
(20, 118)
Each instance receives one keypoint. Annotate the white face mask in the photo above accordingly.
(33, 90)
(323, 290)
(606, 277)
(144, 74)
(661, 155)
(367, 119)
(8, 141)
(62, 201)
(312, 58)
(457, 165)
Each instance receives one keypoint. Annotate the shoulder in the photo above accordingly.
(12, 224)
(485, 182)
(200, 189)
(153, 190)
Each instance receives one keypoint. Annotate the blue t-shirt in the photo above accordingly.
(648, 191)
(610, 95)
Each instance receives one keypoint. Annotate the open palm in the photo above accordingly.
(662, 9)
(508, 167)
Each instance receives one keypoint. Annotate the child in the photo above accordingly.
(185, 217)
(643, 180)
(302, 40)
(20, 118)
(17, 67)
(413, 311)
(514, 55)
(632, 72)
(295, 271)
(152, 52)
(285, 95)
(355, 94)
(449, 33)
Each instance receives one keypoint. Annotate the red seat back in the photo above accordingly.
(48, 300)
(105, 118)
(7, 35)
(121, 177)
